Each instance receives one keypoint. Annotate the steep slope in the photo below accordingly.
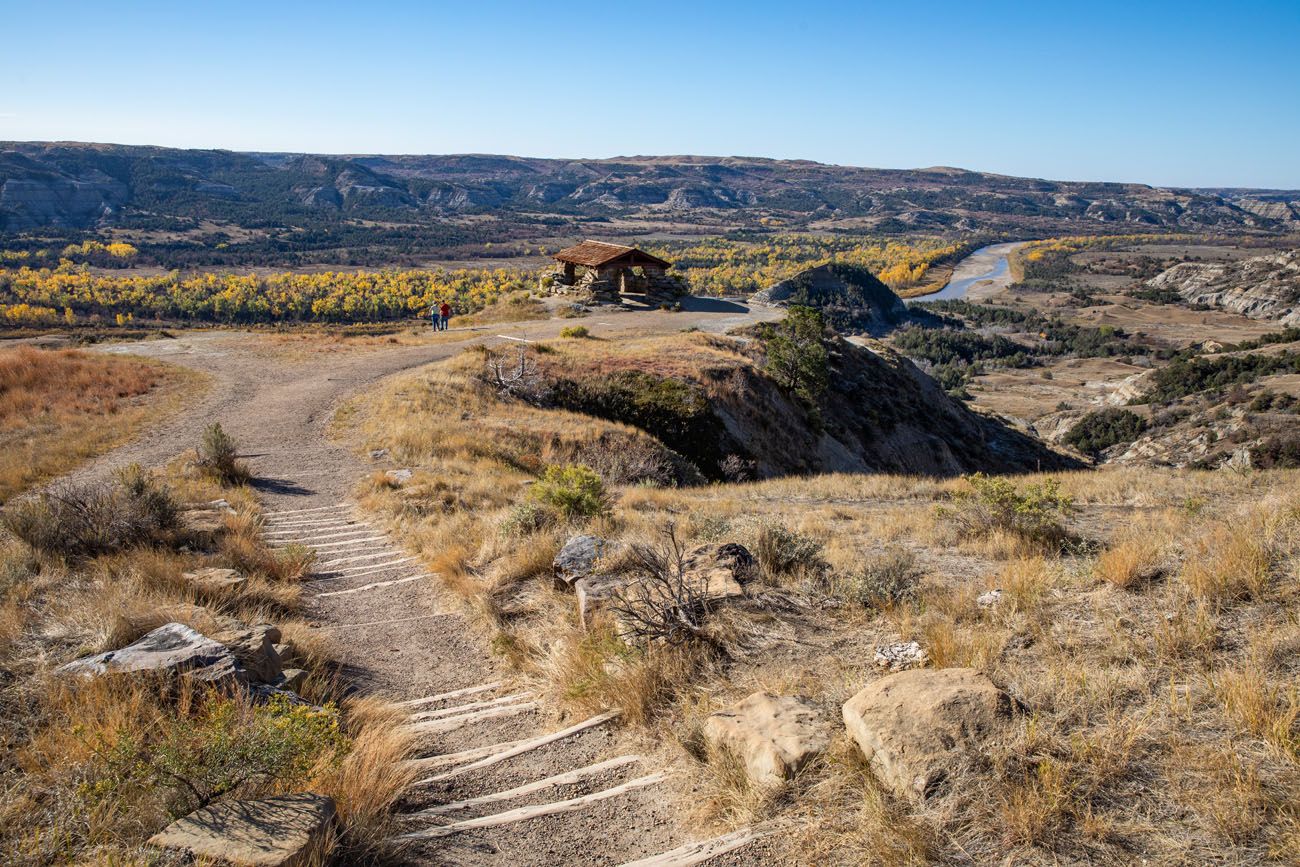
(709, 398)
(850, 297)
(74, 184)
(1263, 287)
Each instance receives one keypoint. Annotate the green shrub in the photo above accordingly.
(783, 553)
(575, 331)
(218, 456)
(228, 745)
(1036, 514)
(574, 491)
(1098, 431)
(886, 580)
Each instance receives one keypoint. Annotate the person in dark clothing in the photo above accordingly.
(444, 314)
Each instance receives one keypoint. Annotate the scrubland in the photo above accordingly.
(93, 767)
(1147, 626)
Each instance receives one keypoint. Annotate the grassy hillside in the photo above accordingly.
(1145, 622)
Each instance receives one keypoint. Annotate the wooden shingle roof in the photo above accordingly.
(593, 254)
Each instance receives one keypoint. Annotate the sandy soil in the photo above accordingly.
(404, 640)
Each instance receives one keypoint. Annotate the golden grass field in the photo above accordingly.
(59, 408)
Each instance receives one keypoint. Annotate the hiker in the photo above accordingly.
(445, 314)
(435, 317)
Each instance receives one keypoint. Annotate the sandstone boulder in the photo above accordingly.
(254, 647)
(916, 728)
(172, 648)
(774, 735)
(719, 571)
(292, 679)
(284, 831)
(577, 559)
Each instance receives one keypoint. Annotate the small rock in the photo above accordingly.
(378, 454)
(284, 831)
(291, 679)
(285, 652)
(774, 735)
(254, 647)
(989, 598)
(917, 728)
(173, 648)
(719, 571)
(900, 656)
(594, 591)
(203, 522)
(399, 476)
(577, 559)
(214, 579)
(210, 506)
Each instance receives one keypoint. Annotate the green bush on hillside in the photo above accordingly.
(991, 504)
(796, 355)
(1098, 431)
(574, 491)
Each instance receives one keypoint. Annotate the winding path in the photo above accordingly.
(502, 781)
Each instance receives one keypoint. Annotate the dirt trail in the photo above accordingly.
(400, 637)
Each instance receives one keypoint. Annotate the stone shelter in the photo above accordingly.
(605, 272)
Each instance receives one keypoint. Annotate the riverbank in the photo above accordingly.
(978, 276)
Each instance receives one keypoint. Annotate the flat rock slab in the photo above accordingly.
(173, 647)
(916, 728)
(203, 522)
(577, 559)
(774, 735)
(284, 831)
(214, 578)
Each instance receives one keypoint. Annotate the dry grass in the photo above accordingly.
(1263, 708)
(515, 307)
(60, 408)
(93, 768)
(1133, 665)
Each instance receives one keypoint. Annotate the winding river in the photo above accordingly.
(977, 276)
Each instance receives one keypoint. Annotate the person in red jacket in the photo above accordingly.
(444, 316)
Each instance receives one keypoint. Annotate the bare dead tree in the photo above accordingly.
(660, 603)
(515, 377)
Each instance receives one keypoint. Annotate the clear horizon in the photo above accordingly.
(1173, 95)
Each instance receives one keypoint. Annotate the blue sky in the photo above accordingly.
(1204, 94)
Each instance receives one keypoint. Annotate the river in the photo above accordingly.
(978, 276)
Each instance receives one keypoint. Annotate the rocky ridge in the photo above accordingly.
(1262, 287)
(72, 184)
